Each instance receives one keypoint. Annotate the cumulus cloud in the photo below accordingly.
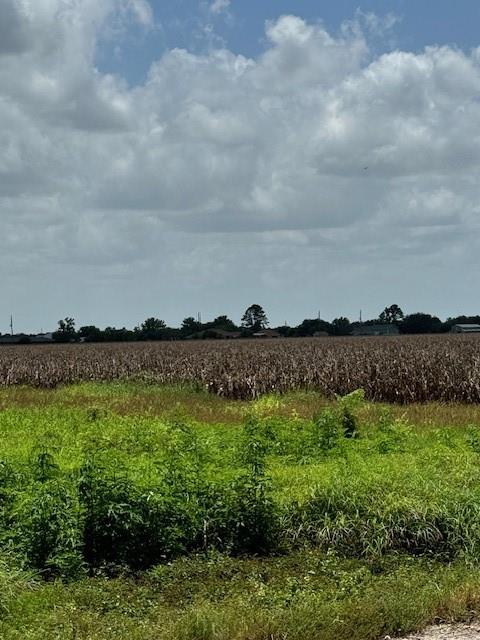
(218, 160)
(219, 6)
(142, 11)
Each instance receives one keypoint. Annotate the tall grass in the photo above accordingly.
(331, 483)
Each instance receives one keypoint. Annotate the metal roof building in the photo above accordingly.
(465, 328)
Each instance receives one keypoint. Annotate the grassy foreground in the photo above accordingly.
(135, 511)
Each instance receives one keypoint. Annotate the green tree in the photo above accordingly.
(111, 334)
(421, 323)
(224, 323)
(190, 326)
(391, 315)
(310, 326)
(254, 318)
(90, 333)
(341, 326)
(66, 330)
(151, 329)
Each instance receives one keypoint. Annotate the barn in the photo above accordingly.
(466, 328)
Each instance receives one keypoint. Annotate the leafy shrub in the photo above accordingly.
(125, 525)
(347, 405)
(47, 526)
(326, 431)
(244, 516)
(393, 433)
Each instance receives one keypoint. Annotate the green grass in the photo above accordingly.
(302, 595)
(138, 511)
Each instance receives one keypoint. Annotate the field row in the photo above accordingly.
(399, 369)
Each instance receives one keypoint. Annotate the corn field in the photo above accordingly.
(401, 369)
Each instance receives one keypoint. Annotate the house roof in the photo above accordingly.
(267, 333)
(471, 326)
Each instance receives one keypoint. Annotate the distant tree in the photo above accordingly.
(190, 326)
(111, 334)
(91, 334)
(391, 315)
(310, 326)
(224, 323)
(421, 323)
(286, 331)
(254, 318)
(150, 329)
(66, 331)
(152, 324)
(448, 324)
(67, 325)
(170, 333)
(341, 326)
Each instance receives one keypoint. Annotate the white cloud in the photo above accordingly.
(143, 12)
(220, 164)
(219, 6)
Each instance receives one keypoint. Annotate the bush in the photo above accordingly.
(125, 525)
(47, 528)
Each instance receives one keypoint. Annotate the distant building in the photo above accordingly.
(376, 330)
(222, 334)
(267, 333)
(465, 328)
(320, 334)
(41, 338)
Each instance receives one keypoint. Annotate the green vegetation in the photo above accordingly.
(190, 516)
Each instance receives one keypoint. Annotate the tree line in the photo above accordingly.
(254, 321)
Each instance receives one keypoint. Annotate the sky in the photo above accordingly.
(173, 157)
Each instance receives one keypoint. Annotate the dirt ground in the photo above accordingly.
(448, 632)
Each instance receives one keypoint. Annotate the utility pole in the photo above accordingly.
(11, 325)
(360, 315)
(199, 318)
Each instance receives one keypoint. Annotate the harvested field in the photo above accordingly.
(401, 369)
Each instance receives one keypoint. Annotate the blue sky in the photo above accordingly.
(420, 23)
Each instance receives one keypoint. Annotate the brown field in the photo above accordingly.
(404, 370)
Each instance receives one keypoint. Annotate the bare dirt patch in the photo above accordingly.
(448, 632)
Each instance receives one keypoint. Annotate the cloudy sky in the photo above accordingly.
(169, 157)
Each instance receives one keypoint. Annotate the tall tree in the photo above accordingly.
(91, 333)
(311, 325)
(421, 323)
(224, 323)
(341, 326)
(190, 326)
(151, 329)
(391, 315)
(66, 330)
(254, 318)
